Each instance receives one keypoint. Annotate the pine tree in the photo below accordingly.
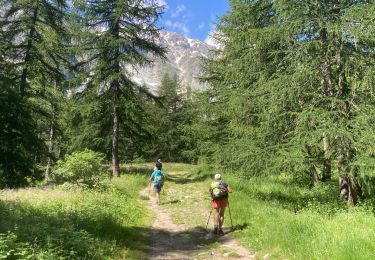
(117, 34)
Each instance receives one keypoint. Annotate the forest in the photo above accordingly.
(288, 115)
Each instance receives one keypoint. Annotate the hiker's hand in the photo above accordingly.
(229, 189)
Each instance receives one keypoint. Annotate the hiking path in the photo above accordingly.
(178, 230)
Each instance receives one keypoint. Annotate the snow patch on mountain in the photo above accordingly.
(183, 58)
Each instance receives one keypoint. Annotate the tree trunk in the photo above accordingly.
(348, 190)
(29, 45)
(314, 175)
(114, 28)
(347, 186)
(343, 188)
(353, 192)
(115, 131)
(312, 170)
(326, 173)
(47, 173)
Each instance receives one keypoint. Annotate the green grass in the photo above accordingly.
(292, 221)
(74, 224)
(277, 215)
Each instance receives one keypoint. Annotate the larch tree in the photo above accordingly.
(115, 36)
(293, 84)
(33, 34)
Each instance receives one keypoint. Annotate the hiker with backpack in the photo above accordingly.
(157, 179)
(219, 193)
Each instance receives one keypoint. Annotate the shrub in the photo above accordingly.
(11, 248)
(83, 167)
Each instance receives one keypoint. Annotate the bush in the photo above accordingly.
(83, 167)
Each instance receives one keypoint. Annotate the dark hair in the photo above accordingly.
(158, 165)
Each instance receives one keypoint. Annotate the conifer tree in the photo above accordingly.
(32, 34)
(31, 30)
(116, 34)
(293, 84)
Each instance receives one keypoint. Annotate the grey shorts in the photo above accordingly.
(157, 188)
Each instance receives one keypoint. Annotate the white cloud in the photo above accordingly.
(179, 26)
(178, 11)
(210, 39)
(162, 3)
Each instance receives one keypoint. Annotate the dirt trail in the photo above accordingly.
(181, 241)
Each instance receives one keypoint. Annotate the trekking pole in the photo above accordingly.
(230, 216)
(208, 220)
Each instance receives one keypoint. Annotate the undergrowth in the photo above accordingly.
(287, 218)
(74, 224)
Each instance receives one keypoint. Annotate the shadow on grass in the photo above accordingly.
(88, 236)
(143, 170)
(189, 177)
(295, 197)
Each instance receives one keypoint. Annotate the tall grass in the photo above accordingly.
(290, 220)
(74, 224)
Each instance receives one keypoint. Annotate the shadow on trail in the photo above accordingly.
(183, 241)
(188, 177)
(170, 202)
(85, 235)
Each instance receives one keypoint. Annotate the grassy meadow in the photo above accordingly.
(60, 223)
(277, 215)
(290, 220)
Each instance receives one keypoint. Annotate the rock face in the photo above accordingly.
(183, 58)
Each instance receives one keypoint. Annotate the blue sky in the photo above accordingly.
(192, 18)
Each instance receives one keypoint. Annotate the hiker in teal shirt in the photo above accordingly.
(157, 178)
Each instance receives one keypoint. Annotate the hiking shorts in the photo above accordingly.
(157, 188)
(220, 203)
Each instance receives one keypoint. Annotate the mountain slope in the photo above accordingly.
(183, 58)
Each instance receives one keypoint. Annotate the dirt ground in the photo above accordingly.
(176, 234)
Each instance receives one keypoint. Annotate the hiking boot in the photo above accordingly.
(220, 232)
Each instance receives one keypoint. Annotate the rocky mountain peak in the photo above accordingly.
(183, 58)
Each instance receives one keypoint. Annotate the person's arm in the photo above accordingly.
(229, 189)
(152, 177)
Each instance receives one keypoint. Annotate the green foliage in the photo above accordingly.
(32, 60)
(19, 140)
(10, 248)
(290, 90)
(283, 217)
(80, 167)
(128, 33)
(172, 118)
(60, 224)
